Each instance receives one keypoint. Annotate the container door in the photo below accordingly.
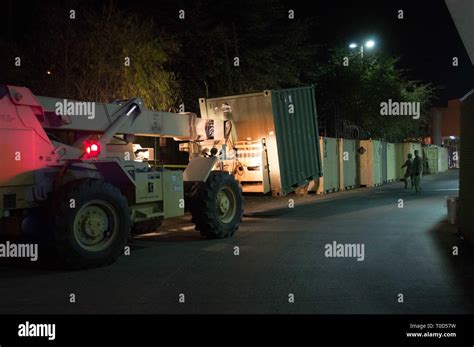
(296, 130)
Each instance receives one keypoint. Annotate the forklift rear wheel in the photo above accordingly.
(92, 223)
(217, 206)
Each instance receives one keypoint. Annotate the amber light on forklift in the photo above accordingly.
(92, 149)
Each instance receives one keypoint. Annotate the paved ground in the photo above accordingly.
(282, 250)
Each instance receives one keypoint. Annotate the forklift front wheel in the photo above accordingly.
(217, 206)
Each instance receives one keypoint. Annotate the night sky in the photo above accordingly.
(425, 40)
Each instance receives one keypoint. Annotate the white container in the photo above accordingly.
(329, 182)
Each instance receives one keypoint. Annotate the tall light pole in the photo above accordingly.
(368, 44)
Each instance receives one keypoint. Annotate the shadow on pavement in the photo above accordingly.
(461, 266)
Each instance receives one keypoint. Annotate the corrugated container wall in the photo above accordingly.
(391, 163)
(443, 161)
(466, 171)
(370, 163)
(287, 120)
(384, 162)
(329, 182)
(348, 177)
(431, 159)
(399, 161)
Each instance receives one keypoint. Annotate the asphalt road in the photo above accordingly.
(282, 251)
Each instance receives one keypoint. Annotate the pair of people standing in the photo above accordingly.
(414, 168)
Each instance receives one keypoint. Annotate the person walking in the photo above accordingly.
(408, 172)
(417, 169)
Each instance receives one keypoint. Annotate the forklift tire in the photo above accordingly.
(217, 206)
(92, 222)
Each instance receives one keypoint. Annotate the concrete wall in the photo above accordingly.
(466, 172)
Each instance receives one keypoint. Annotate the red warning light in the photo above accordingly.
(92, 149)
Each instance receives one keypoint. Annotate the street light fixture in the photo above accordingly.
(368, 44)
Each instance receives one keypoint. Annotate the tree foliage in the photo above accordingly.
(356, 86)
(272, 51)
(174, 61)
(86, 58)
